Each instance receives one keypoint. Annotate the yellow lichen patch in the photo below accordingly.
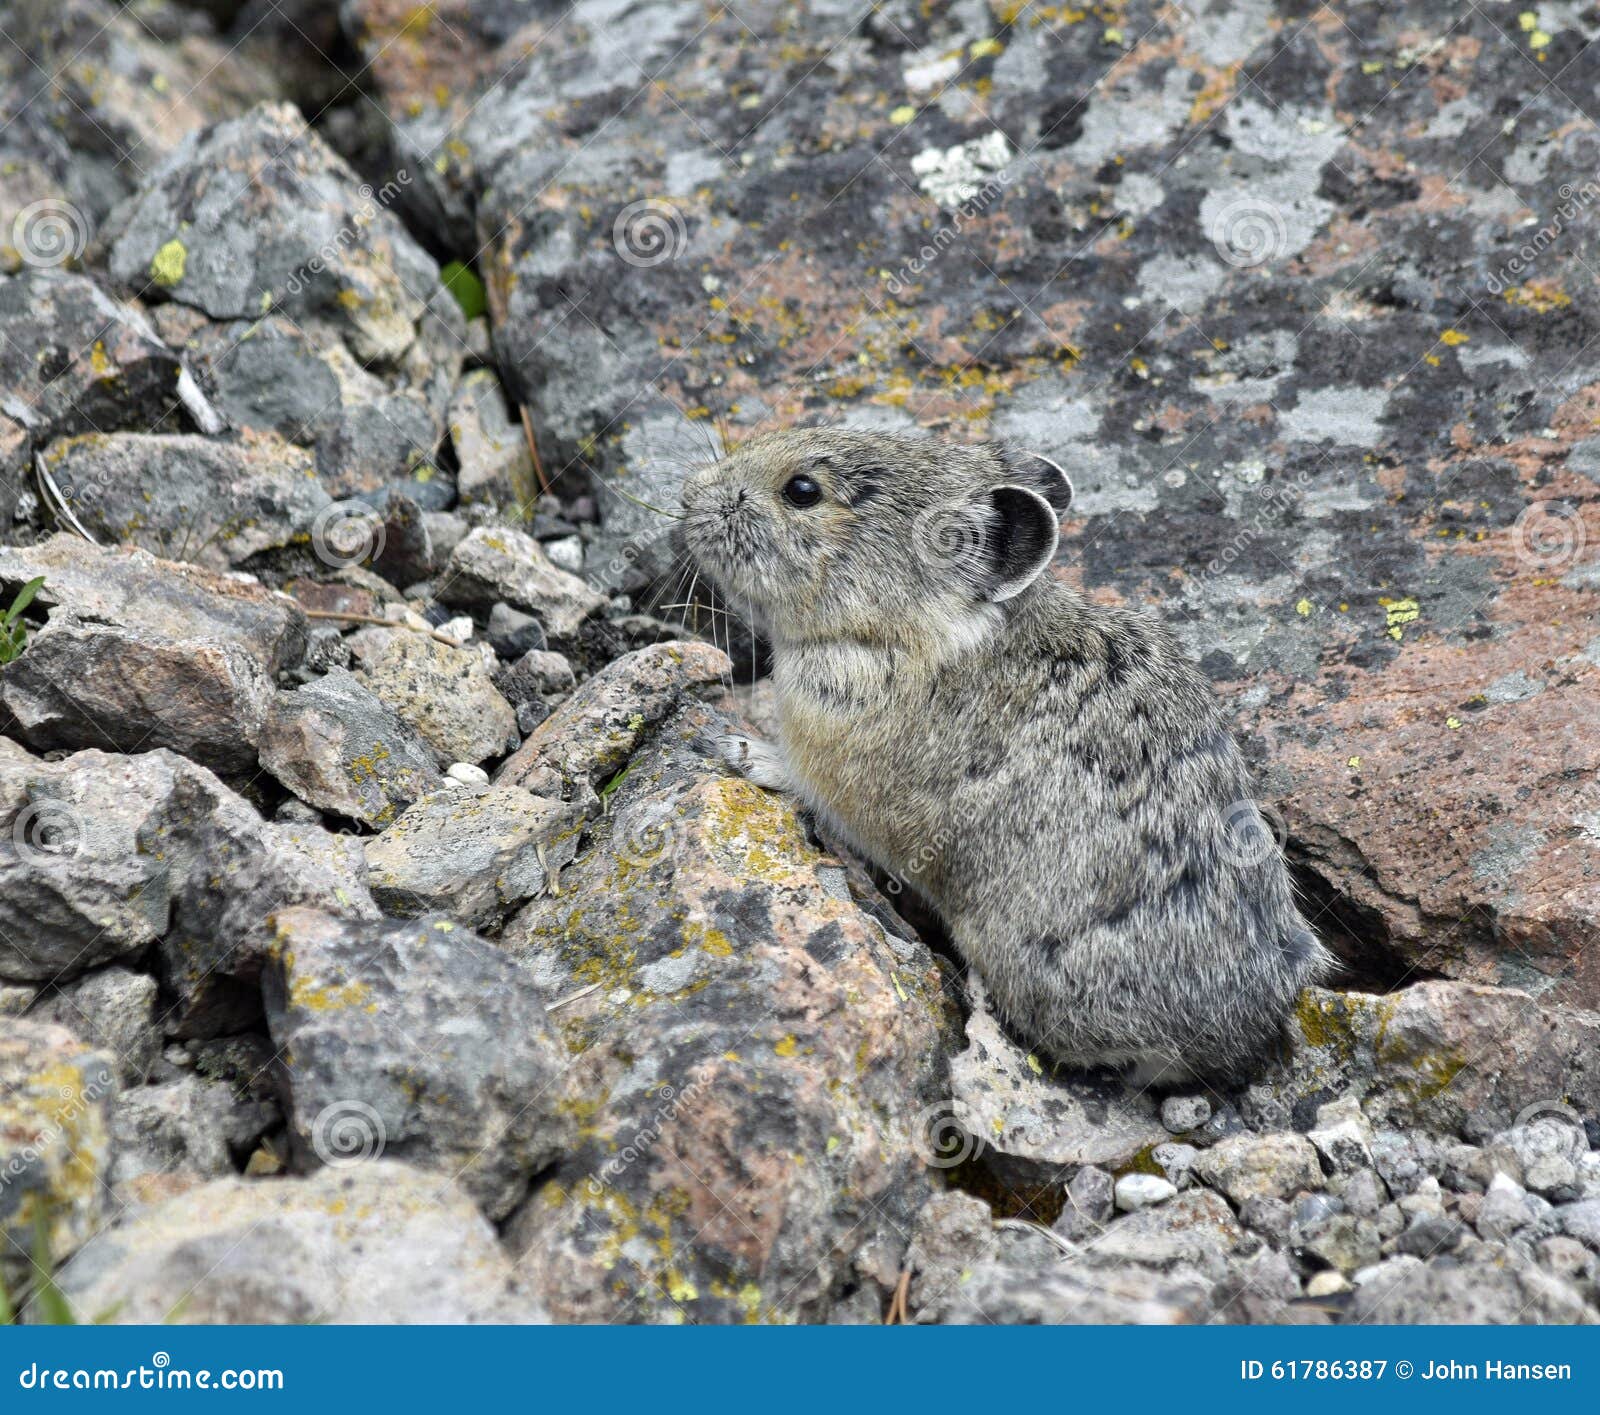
(329, 997)
(788, 1046)
(1452, 337)
(1397, 614)
(759, 832)
(167, 265)
(1540, 296)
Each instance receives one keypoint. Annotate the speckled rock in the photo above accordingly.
(419, 1041)
(1261, 1166)
(474, 854)
(1194, 1231)
(490, 446)
(340, 749)
(582, 745)
(381, 1242)
(185, 1127)
(446, 694)
(112, 1009)
(1071, 1294)
(953, 1233)
(103, 855)
(135, 591)
(56, 1096)
(1033, 1125)
(750, 1051)
(1454, 1058)
(497, 564)
(1491, 1285)
(189, 498)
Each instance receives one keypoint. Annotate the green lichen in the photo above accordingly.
(167, 265)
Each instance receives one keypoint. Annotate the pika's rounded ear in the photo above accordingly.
(1020, 542)
(1039, 473)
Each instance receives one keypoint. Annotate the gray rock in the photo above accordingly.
(1091, 1200)
(1177, 1162)
(193, 234)
(1142, 1191)
(473, 854)
(133, 591)
(1364, 1193)
(490, 446)
(1580, 1220)
(189, 498)
(380, 1242)
(1194, 1232)
(953, 1234)
(105, 855)
(1548, 1148)
(590, 737)
(1496, 1288)
(1248, 1166)
(1348, 1242)
(1269, 1217)
(1342, 1136)
(1181, 1114)
(1075, 1295)
(497, 564)
(1032, 1124)
(512, 634)
(187, 1127)
(1427, 1236)
(56, 1097)
(340, 749)
(445, 693)
(419, 1041)
(111, 1009)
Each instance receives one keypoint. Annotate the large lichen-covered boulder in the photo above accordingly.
(418, 1040)
(370, 1243)
(751, 1051)
(55, 1144)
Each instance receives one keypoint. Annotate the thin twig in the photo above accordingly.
(383, 623)
(572, 997)
(533, 449)
(897, 1315)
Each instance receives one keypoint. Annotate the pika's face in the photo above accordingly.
(842, 534)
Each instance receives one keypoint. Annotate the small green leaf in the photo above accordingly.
(462, 282)
(23, 600)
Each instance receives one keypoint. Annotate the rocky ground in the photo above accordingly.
(378, 941)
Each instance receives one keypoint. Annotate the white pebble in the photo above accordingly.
(1140, 1191)
(467, 774)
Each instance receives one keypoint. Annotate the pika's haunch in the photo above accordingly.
(1053, 776)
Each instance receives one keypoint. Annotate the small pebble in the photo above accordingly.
(1140, 1191)
(1180, 1114)
(467, 774)
(1326, 1284)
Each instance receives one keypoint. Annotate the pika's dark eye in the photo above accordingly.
(802, 491)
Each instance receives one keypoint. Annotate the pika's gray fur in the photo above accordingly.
(1053, 776)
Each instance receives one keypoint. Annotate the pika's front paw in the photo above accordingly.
(756, 761)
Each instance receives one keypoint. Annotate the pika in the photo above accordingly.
(1053, 776)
